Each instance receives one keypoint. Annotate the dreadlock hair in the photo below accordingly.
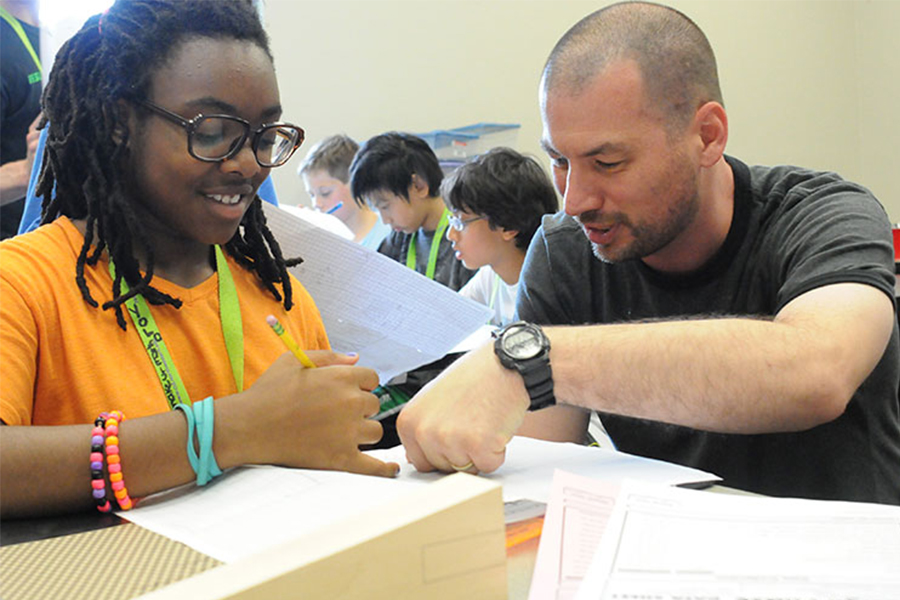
(113, 58)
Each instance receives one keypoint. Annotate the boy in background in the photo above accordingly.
(326, 172)
(496, 204)
(398, 175)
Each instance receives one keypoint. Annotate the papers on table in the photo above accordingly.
(394, 318)
(576, 518)
(666, 543)
(251, 509)
(529, 466)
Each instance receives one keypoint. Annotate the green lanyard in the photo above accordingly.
(435, 246)
(17, 27)
(232, 329)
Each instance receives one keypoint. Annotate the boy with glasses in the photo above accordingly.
(496, 204)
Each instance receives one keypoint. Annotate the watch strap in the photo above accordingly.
(538, 378)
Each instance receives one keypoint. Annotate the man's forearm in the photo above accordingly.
(730, 375)
(705, 375)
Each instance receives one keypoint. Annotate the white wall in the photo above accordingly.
(878, 94)
(812, 83)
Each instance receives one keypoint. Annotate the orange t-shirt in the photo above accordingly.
(63, 361)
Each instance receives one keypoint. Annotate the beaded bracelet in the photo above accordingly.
(98, 483)
(114, 461)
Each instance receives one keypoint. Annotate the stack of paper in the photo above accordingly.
(605, 540)
(442, 542)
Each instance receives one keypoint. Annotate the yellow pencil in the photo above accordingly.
(289, 342)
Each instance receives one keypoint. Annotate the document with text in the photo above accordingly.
(670, 543)
(395, 318)
(576, 517)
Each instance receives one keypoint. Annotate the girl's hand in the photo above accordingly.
(307, 418)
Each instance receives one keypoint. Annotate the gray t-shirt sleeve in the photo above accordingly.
(826, 230)
(546, 290)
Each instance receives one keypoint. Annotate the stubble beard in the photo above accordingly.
(649, 238)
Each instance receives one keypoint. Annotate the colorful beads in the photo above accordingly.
(98, 484)
(105, 440)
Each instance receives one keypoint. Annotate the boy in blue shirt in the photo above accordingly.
(326, 174)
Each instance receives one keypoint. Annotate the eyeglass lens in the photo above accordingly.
(459, 224)
(217, 137)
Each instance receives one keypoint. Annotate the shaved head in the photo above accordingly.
(674, 57)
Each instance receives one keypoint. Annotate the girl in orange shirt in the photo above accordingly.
(154, 272)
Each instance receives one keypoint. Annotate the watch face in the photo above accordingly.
(522, 343)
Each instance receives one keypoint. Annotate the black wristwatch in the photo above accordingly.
(524, 347)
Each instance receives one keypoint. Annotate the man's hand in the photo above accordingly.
(463, 419)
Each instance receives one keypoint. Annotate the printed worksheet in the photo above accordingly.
(395, 318)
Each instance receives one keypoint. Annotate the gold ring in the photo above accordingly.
(464, 467)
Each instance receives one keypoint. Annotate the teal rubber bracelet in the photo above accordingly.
(191, 453)
(204, 414)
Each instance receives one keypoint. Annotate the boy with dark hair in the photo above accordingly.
(496, 203)
(398, 175)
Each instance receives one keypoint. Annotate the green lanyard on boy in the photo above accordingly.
(435, 246)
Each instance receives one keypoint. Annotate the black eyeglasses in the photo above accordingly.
(216, 138)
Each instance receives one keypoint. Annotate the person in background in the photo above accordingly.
(496, 203)
(398, 175)
(20, 106)
(326, 174)
(149, 293)
(737, 319)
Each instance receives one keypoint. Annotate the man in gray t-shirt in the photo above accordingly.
(746, 315)
(793, 231)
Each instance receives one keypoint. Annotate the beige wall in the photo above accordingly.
(812, 83)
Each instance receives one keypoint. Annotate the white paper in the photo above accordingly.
(475, 339)
(251, 509)
(254, 508)
(576, 518)
(320, 219)
(395, 318)
(666, 543)
(528, 469)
